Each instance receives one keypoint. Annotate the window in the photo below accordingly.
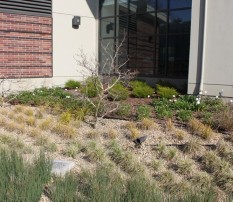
(158, 34)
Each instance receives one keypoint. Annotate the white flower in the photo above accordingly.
(67, 96)
(170, 100)
(198, 102)
(231, 101)
(33, 93)
(197, 99)
(65, 89)
(216, 97)
(75, 90)
(175, 100)
(200, 92)
(148, 96)
(173, 96)
(41, 91)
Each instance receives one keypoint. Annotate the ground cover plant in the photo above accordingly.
(184, 156)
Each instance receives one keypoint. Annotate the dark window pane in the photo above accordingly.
(180, 3)
(180, 21)
(162, 4)
(178, 55)
(107, 27)
(142, 6)
(107, 8)
(161, 23)
(160, 55)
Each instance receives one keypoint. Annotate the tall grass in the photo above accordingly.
(21, 181)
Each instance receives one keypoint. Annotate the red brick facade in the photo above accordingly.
(25, 46)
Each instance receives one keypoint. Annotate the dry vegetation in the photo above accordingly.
(177, 158)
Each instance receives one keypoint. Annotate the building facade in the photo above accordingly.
(186, 42)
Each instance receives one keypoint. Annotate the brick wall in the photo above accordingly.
(25, 46)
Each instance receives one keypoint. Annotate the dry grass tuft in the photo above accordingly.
(31, 121)
(18, 109)
(34, 132)
(64, 131)
(28, 112)
(179, 134)
(65, 117)
(192, 146)
(134, 133)
(46, 124)
(42, 140)
(169, 127)
(200, 129)
(147, 124)
(130, 125)
(112, 133)
(20, 118)
(185, 167)
(93, 134)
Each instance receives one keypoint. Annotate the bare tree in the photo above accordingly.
(104, 75)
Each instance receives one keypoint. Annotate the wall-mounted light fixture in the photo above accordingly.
(76, 21)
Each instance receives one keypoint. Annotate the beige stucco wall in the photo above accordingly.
(211, 47)
(68, 41)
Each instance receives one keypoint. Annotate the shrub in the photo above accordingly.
(91, 87)
(118, 92)
(141, 89)
(72, 84)
(166, 92)
(124, 110)
(164, 112)
(143, 111)
(184, 115)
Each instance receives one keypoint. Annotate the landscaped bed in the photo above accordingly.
(187, 153)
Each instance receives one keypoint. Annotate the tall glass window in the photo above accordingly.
(156, 33)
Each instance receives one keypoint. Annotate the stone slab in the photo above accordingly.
(61, 167)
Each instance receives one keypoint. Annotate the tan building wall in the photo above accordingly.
(211, 61)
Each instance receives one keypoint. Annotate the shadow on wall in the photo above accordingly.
(93, 5)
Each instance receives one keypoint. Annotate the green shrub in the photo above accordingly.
(124, 110)
(184, 115)
(143, 111)
(118, 92)
(166, 92)
(141, 89)
(21, 181)
(164, 112)
(72, 84)
(92, 87)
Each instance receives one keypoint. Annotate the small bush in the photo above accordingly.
(141, 89)
(166, 92)
(124, 110)
(91, 88)
(72, 84)
(143, 111)
(184, 115)
(164, 112)
(118, 92)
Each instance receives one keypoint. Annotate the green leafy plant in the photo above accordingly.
(164, 112)
(72, 84)
(184, 115)
(143, 111)
(124, 110)
(141, 89)
(92, 87)
(166, 92)
(118, 92)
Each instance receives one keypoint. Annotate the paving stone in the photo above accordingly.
(61, 167)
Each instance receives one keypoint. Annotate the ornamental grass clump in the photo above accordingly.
(21, 181)
(118, 92)
(147, 124)
(200, 129)
(72, 84)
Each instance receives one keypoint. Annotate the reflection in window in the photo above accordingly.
(180, 3)
(157, 34)
(180, 21)
(107, 8)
